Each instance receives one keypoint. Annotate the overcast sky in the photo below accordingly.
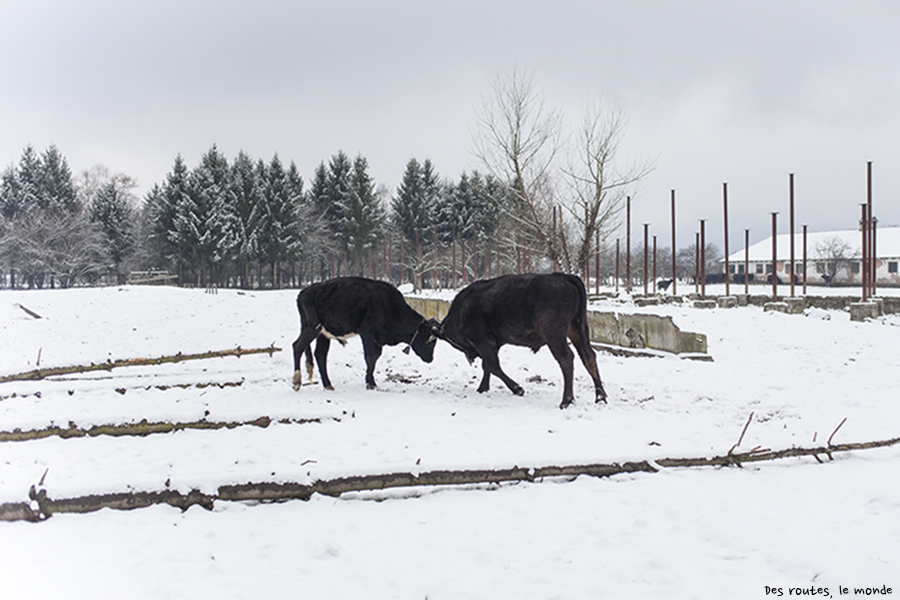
(714, 91)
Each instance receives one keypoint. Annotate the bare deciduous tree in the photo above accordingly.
(597, 186)
(561, 211)
(518, 140)
(833, 254)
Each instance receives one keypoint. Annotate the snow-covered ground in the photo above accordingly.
(679, 533)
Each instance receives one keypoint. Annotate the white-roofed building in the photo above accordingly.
(829, 254)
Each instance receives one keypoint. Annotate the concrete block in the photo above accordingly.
(647, 301)
(795, 305)
(624, 330)
(743, 299)
(861, 311)
(705, 304)
(643, 331)
(781, 307)
(727, 302)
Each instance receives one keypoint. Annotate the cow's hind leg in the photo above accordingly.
(322, 345)
(581, 341)
(301, 344)
(565, 358)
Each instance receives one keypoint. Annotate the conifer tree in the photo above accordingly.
(109, 209)
(204, 217)
(249, 207)
(57, 190)
(360, 214)
(279, 240)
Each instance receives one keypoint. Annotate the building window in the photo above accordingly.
(854, 267)
(769, 268)
(759, 268)
(740, 268)
(892, 267)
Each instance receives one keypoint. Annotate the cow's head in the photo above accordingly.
(425, 338)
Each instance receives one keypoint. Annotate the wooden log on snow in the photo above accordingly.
(109, 365)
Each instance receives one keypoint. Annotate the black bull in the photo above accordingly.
(347, 306)
(523, 310)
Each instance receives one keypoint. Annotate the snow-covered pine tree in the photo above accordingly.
(361, 215)
(204, 218)
(163, 214)
(279, 240)
(57, 188)
(408, 212)
(248, 183)
(110, 210)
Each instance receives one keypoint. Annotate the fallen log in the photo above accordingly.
(43, 507)
(141, 429)
(109, 365)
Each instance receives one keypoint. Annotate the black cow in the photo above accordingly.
(523, 310)
(376, 311)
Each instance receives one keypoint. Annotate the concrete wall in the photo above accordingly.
(624, 330)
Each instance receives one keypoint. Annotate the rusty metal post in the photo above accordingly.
(646, 249)
(674, 250)
(617, 265)
(628, 245)
(864, 271)
(697, 262)
(703, 259)
(725, 215)
(873, 255)
(654, 264)
(774, 256)
(804, 259)
(747, 261)
(791, 178)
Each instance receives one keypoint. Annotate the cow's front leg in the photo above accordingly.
(491, 364)
(372, 351)
(485, 384)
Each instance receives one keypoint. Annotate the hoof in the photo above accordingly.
(566, 403)
(298, 380)
(329, 387)
(370, 386)
(483, 388)
(518, 390)
(601, 397)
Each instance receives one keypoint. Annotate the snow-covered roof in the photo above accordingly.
(887, 242)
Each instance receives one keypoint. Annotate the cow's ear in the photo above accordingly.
(406, 350)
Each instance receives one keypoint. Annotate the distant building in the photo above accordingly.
(830, 255)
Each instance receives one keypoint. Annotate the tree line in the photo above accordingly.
(549, 199)
(244, 223)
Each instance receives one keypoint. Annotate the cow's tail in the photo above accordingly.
(588, 358)
(581, 313)
(309, 363)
